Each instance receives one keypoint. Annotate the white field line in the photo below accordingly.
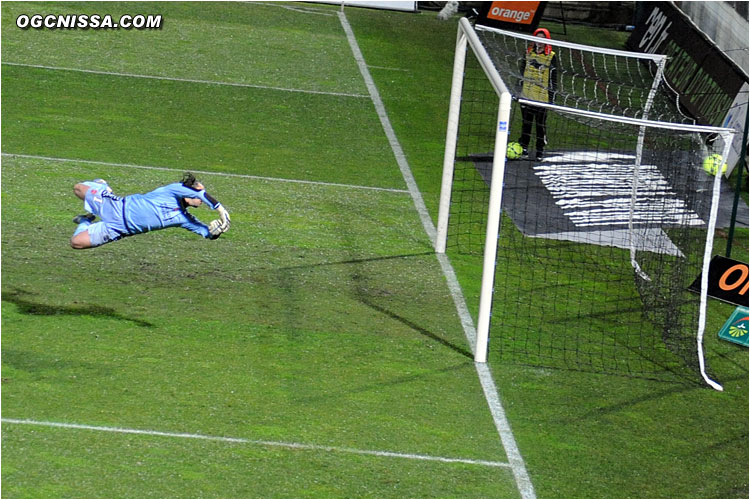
(204, 172)
(186, 80)
(387, 68)
(523, 482)
(392, 139)
(304, 10)
(258, 442)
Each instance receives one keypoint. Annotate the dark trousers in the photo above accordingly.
(529, 115)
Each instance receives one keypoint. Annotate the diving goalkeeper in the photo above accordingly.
(123, 216)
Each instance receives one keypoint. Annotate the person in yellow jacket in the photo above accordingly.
(539, 72)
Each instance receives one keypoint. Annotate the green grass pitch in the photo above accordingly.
(315, 349)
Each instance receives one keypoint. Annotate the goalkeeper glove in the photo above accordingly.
(225, 220)
(214, 228)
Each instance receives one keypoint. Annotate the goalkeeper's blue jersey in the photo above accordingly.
(159, 209)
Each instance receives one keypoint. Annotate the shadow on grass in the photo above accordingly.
(38, 366)
(358, 277)
(418, 329)
(26, 306)
(381, 384)
(356, 261)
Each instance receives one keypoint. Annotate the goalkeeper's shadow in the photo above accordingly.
(29, 307)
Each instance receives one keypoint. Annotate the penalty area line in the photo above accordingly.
(258, 442)
(204, 172)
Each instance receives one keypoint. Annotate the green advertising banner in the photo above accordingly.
(736, 328)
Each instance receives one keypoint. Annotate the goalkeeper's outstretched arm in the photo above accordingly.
(213, 230)
(218, 226)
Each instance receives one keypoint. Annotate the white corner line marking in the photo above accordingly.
(258, 442)
(517, 465)
(204, 172)
(185, 80)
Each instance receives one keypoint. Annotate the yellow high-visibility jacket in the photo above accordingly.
(540, 76)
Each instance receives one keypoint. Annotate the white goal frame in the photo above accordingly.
(468, 39)
(466, 35)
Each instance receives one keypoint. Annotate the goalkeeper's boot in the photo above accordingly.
(78, 219)
(539, 155)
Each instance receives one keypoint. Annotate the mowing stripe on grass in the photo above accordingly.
(204, 172)
(186, 80)
(523, 482)
(259, 442)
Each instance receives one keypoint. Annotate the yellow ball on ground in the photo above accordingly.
(515, 150)
(712, 162)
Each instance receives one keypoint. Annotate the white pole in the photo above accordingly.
(637, 167)
(493, 226)
(707, 253)
(450, 142)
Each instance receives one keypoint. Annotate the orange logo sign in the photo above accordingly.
(737, 282)
(513, 12)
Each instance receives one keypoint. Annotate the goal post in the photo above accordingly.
(467, 37)
(585, 253)
(727, 137)
(451, 137)
(493, 224)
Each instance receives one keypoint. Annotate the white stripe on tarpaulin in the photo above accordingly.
(517, 465)
(597, 192)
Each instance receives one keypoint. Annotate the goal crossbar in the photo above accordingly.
(570, 45)
(683, 127)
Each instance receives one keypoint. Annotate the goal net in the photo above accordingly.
(588, 252)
